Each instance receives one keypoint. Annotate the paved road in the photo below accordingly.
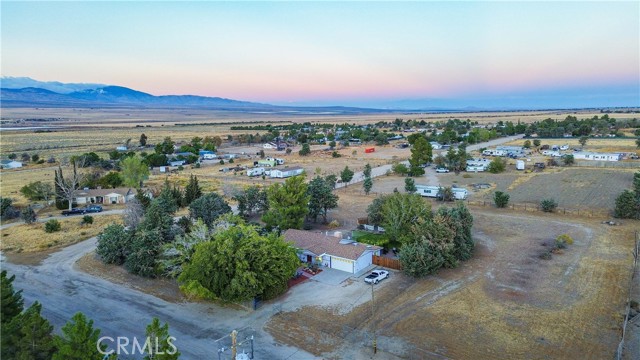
(121, 311)
(382, 170)
(61, 217)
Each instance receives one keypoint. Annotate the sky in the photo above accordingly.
(373, 54)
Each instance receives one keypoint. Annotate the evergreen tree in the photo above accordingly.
(421, 153)
(113, 244)
(145, 250)
(192, 191)
(162, 347)
(306, 150)
(288, 204)
(28, 215)
(143, 140)
(367, 185)
(28, 336)
(410, 185)
(167, 199)
(321, 198)
(11, 301)
(252, 200)
(78, 340)
(144, 200)
(208, 208)
(157, 218)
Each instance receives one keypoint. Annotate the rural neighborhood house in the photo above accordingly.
(332, 251)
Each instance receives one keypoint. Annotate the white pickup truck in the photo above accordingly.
(376, 276)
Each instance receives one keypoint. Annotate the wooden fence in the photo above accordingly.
(387, 262)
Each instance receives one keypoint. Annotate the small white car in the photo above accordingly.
(376, 276)
(442, 170)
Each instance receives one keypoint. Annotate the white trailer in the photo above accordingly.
(258, 171)
(286, 172)
(476, 168)
(519, 164)
(427, 191)
(460, 193)
(209, 156)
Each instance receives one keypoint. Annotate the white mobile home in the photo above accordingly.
(427, 191)
(286, 172)
(460, 193)
(10, 164)
(258, 171)
(494, 152)
(520, 165)
(585, 155)
(475, 168)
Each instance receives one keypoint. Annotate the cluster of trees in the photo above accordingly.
(150, 225)
(26, 334)
(428, 240)
(628, 202)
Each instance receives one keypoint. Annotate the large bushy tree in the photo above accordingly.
(251, 201)
(321, 198)
(421, 153)
(192, 191)
(628, 202)
(208, 208)
(134, 171)
(113, 244)
(346, 175)
(240, 264)
(288, 204)
(400, 212)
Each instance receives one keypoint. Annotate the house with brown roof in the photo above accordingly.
(104, 196)
(332, 251)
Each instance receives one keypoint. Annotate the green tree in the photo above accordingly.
(306, 150)
(79, 340)
(332, 144)
(143, 140)
(638, 143)
(37, 191)
(568, 160)
(252, 200)
(288, 204)
(627, 206)
(430, 246)
(111, 181)
(12, 156)
(527, 144)
(208, 208)
(240, 264)
(28, 336)
(421, 153)
(134, 171)
(460, 220)
(321, 198)
(346, 175)
(583, 140)
(52, 226)
(375, 215)
(178, 253)
(400, 169)
(410, 185)
(12, 302)
(192, 191)
(497, 165)
(400, 211)
(161, 345)
(144, 251)
(367, 184)
(501, 199)
(28, 215)
(113, 244)
(165, 147)
(536, 142)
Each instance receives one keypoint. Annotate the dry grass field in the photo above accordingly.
(505, 303)
(33, 238)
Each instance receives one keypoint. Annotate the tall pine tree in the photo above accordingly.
(78, 340)
(11, 301)
(28, 336)
(192, 191)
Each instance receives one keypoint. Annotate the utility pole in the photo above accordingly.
(234, 335)
(373, 321)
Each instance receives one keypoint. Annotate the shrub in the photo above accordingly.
(51, 226)
(497, 165)
(501, 199)
(564, 238)
(334, 224)
(28, 215)
(87, 220)
(335, 154)
(548, 205)
(560, 244)
(467, 176)
(545, 255)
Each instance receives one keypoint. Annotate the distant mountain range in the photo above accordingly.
(56, 94)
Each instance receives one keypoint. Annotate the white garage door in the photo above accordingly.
(342, 264)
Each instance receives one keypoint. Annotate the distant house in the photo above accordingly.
(122, 148)
(270, 146)
(286, 172)
(10, 164)
(175, 162)
(104, 196)
(332, 251)
(585, 155)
